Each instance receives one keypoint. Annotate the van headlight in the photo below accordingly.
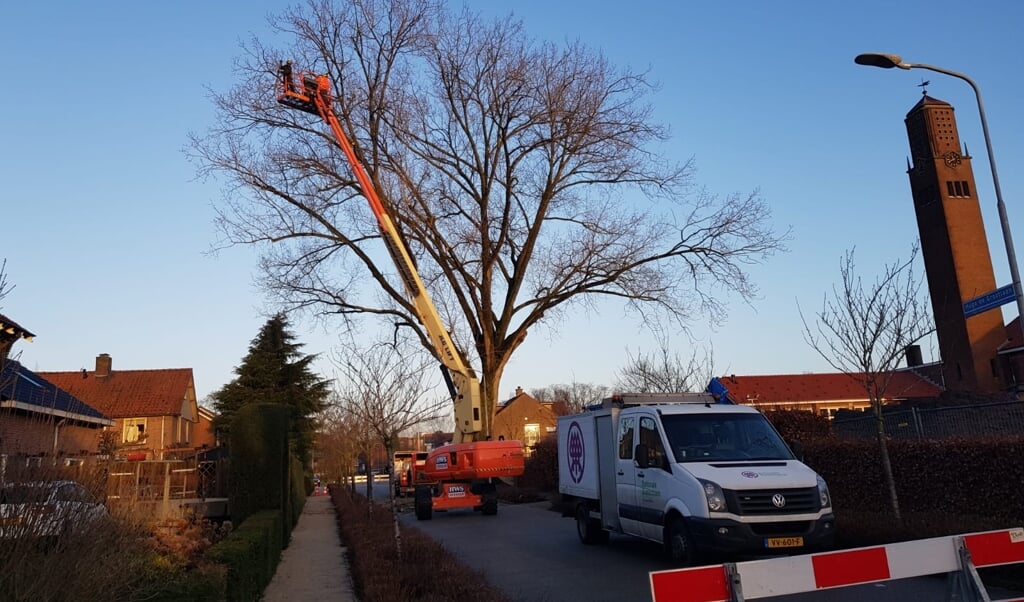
(826, 499)
(715, 496)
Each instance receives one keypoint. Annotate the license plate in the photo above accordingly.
(784, 542)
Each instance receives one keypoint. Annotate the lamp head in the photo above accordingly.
(885, 61)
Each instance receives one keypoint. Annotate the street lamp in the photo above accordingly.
(888, 61)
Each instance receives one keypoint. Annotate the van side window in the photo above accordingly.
(626, 438)
(649, 436)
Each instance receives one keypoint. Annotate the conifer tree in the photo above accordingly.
(275, 371)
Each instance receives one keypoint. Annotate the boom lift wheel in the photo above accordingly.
(424, 503)
(490, 500)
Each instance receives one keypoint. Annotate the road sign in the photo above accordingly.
(977, 305)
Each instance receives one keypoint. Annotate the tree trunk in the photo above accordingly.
(392, 479)
(490, 395)
(883, 450)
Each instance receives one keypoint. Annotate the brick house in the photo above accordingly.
(824, 393)
(36, 417)
(203, 436)
(524, 418)
(155, 411)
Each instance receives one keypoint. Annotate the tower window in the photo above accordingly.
(958, 188)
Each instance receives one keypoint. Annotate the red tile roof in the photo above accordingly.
(128, 393)
(779, 388)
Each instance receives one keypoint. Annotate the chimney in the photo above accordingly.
(914, 356)
(103, 362)
(519, 391)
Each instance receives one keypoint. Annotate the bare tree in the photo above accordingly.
(339, 440)
(385, 389)
(863, 331)
(7, 340)
(666, 372)
(5, 286)
(386, 392)
(524, 177)
(573, 397)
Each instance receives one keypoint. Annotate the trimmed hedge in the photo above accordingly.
(425, 571)
(963, 477)
(250, 553)
(259, 459)
(297, 491)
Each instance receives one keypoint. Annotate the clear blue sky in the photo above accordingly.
(106, 229)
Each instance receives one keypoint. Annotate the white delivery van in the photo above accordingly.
(695, 474)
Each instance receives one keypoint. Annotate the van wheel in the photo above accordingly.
(678, 544)
(588, 529)
(424, 504)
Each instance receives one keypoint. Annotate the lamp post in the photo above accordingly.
(888, 61)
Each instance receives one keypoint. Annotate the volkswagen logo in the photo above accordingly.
(779, 500)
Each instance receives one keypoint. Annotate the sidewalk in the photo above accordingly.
(313, 566)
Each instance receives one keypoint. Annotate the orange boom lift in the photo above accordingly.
(463, 474)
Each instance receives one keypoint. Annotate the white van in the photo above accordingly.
(698, 476)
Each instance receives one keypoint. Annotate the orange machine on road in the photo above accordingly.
(453, 476)
(406, 463)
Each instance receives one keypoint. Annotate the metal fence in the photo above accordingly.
(998, 419)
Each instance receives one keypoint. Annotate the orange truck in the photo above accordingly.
(463, 474)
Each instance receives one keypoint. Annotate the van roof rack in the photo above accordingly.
(627, 400)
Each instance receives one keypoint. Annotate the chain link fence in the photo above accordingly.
(997, 419)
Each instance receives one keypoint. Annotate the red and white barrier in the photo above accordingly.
(735, 582)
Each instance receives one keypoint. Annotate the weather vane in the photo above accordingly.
(924, 86)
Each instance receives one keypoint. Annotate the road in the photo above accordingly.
(533, 555)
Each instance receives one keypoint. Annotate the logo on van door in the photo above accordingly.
(576, 452)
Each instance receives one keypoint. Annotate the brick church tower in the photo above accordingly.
(954, 248)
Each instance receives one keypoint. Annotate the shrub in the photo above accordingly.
(962, 477)
(204, 583)
(425, 572)
(250, 553)
(541, 472)
(799, 425)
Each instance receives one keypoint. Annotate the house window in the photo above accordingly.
(531, 432)
(134, 430)
(184, 434)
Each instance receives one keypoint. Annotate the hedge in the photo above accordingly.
(259, 459)
(964, 477)
(250, 553)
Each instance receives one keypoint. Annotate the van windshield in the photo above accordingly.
(717, 437)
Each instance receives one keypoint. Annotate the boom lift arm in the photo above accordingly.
(313, 95)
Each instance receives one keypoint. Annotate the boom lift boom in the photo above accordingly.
(313, 95)
(453, 476)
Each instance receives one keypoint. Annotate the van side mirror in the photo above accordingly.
(641, 456)
(798, 449)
